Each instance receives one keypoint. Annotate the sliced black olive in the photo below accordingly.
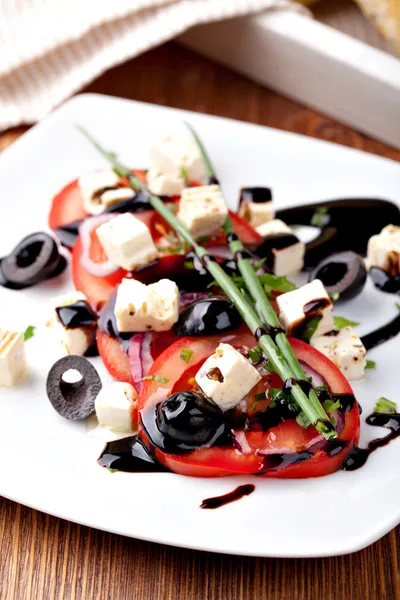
(185, 421)
(76, 315)
(74, 401)
(138, 203)
(67, 234)
(384, 281)
(35, 259)
(255, 194)
(208, 316)
(343, 275)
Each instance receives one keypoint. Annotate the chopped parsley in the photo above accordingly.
(159, 378)
(255, 354)
(335, 297)
(29, 332)
(310, 328)
(260, 397)
(385, 406)
(189, 264)
(318, 218)
(329, 405)
(341, 322)
(370, 364)
(186, 355)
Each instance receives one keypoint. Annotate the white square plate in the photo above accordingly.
(50, 464)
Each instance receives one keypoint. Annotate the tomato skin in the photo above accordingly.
(218, 462)
(246, 232)
(114, 357)
(67, 206)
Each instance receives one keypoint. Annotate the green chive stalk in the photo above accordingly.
(251, 280)
(311, 407)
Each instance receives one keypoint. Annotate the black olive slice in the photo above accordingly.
(384, 281)
(258, 195)
(185, 421)
(33, 260)
(138, 203)
(343, 275)
(208, 316)
(76, 315)
(73, 400)
(67, 234)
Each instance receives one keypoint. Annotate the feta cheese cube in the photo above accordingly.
(256, 205)
(12, 357)
(100, 190)
(384, 250)
(345, 349)
(140, 307)
(164, 184)
(127, 242)
(116, 407)
(173, 152)
(73, 340)
(298, 307)
(202, 210)
(227, 376)
(282, 248)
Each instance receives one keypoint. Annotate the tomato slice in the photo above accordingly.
(67, 205)
(246, 232)
(288, 446)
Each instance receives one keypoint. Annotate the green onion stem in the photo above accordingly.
(312, 408)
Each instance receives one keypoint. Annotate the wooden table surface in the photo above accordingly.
(42, 557)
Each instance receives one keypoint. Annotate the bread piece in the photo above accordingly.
(385, 15)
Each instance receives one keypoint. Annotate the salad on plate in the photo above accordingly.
(221, 329)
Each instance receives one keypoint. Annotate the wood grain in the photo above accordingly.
(42, 557)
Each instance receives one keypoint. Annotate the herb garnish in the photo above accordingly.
(318, 218)
(159, 378)
(370, 364)
(255, 354)
(310, 328)
(186, 355)
(385, 406)
(260, 397)
(330, 405)
(29, 332)
(341, 322)
(111, 469)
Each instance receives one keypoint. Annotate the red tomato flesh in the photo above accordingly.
(284, 441)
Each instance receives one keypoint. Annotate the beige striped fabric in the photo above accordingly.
(49, 49)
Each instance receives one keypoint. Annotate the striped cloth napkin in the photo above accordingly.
(52, 48)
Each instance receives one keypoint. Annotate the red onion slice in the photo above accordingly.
(187, 298)
(140, 358)
(103, 269)
(135, 359)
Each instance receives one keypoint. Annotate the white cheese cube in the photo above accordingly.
(100, 190)
(345, 349)
(298, 307)
(202, 210)
(227, 376)
(173, 152)
(127, 242)
(284, 250)
(257, 213)
(164, 184)
(140, 307)
(12, 357)
(384, 250)
(116, 407)
(72, 341)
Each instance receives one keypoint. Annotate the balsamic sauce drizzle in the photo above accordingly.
(236, 494)
(382, 334)
(359, 456)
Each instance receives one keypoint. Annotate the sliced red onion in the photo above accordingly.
(103, 269)
(220, 251)
(187, 298)
(140, 358)
(135, 359)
